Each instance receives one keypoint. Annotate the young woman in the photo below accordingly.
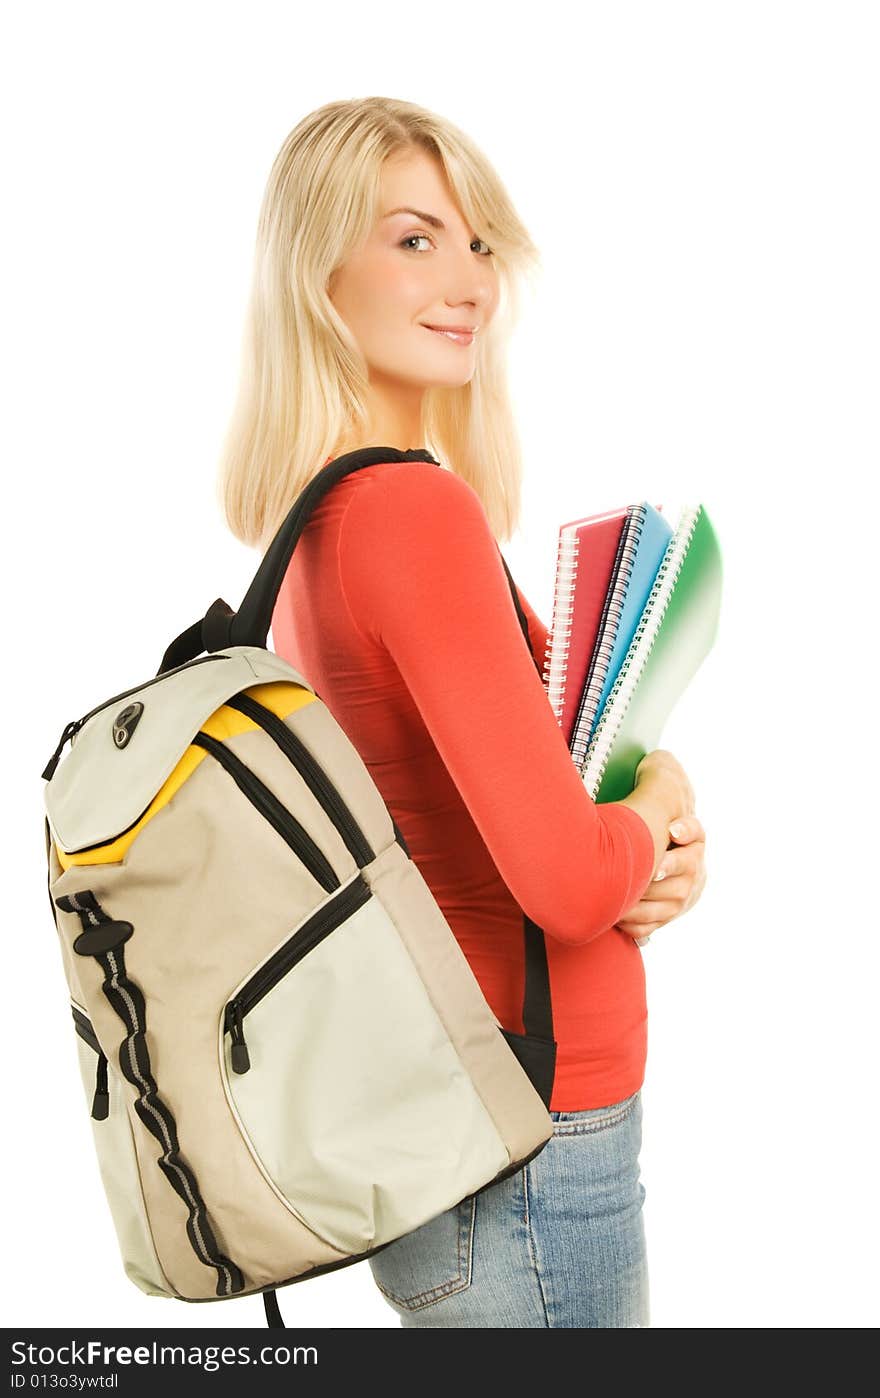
(385, 279)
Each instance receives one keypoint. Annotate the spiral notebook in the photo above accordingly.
(635, 611)
(586, 557)
(643, 542)
(593, 622)
(676, 629)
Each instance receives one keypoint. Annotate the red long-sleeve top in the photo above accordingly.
(397, 609)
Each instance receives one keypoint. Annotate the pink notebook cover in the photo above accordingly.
(577, 609)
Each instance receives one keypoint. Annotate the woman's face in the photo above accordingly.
(411, 273)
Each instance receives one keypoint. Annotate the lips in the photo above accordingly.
(459, 335)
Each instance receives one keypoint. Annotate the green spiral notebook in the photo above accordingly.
(676, 630)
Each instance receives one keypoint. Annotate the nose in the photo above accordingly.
(469, 287)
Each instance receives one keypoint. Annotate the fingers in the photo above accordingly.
(659, 904)
(675, 887)
(662, 905)
(680, 861)
(638, 931)
(686, 829)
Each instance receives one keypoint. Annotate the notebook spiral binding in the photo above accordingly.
(556, 655)
(653, 612)
(612, 611)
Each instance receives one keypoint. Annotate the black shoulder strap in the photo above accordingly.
(274, 1318)
(249, 626)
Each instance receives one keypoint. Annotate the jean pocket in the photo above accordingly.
(595, 1118)
(433, 1261)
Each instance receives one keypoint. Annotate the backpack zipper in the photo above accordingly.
(76, 725)
(312, 774)
(321, 923)
(278, 816)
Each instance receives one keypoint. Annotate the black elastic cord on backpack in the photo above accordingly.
(103, 938)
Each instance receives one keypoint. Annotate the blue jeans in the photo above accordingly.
(559, 1244)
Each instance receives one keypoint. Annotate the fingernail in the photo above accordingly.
(676, 830)
(660, 874)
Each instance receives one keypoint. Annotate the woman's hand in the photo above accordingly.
(684, 868)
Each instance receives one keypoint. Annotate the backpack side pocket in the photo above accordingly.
(117, 1160)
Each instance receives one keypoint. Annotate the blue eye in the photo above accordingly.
(417, 237)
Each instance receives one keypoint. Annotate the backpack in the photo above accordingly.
(288, 1059)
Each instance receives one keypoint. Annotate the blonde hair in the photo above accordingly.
(303, 379)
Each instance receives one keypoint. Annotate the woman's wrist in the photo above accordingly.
(650, 799)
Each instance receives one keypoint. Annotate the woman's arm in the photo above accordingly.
(538, 632)
(683, 870)
(422, 576)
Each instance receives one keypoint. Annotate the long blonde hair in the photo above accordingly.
(303, 379)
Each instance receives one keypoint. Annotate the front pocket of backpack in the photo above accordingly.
(117, 1159)
(343, 1079)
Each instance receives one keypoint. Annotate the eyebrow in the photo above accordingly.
(419, 213)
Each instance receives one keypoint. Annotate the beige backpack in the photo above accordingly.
(288, 1059)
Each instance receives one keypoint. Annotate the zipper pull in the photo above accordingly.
(240, 1057)
(101, 1103)
(49, 770)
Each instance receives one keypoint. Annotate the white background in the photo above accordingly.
(702, 182)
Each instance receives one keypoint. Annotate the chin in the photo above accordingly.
(450, 380)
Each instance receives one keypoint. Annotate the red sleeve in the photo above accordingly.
(537, 630)
(422, 575)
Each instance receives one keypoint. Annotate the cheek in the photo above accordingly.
(397, 282)
(371, 285)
